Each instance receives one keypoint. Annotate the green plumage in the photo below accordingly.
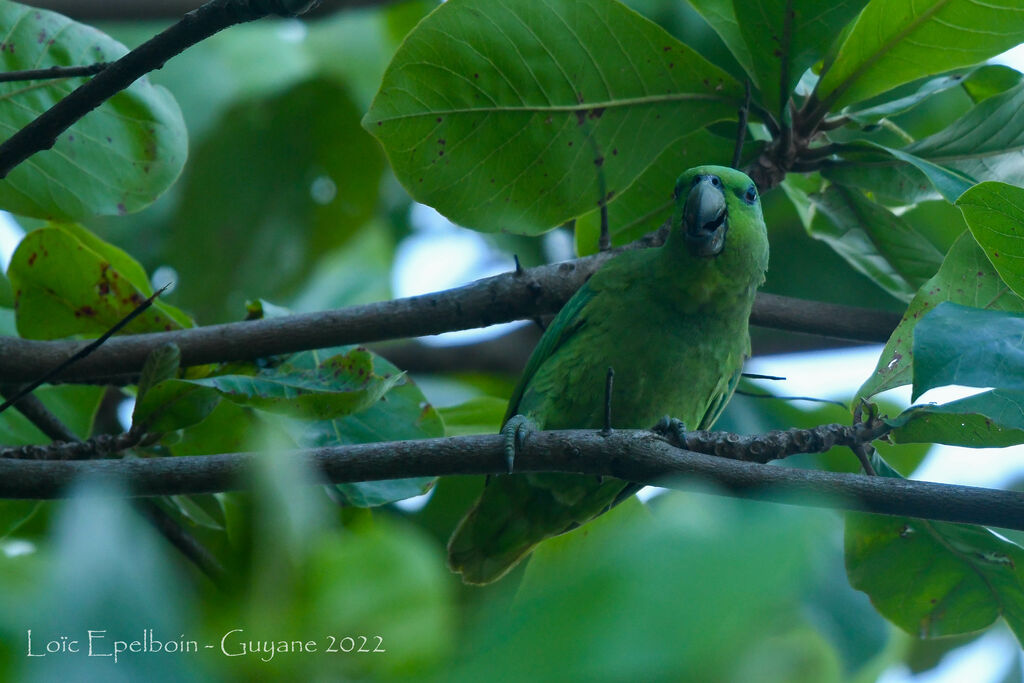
(671, 321)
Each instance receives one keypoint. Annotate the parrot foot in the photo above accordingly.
(672, 429)
(515, 432)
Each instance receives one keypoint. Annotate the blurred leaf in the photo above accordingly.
(280, 181)
(515, 134)
(897, 41)
(965, 277)
(385, 582)
(104, 582)
(787, 37)
(482, 415)
(995, 214)
(956, 344)
(630, 564)
(401, 414)
(934, 579)
(991, 419)
(67, 281)
(357, 273)
(647, 203)
(873, 240)
(116, 160)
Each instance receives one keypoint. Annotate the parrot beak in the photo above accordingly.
(705, 219)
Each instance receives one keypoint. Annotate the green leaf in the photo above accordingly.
(647, 203)
(555, 106)
(995, 215)
(402, 414)
(873, 240)
(173, 404)
(983, 144)
(306, 388)
(965, 277)
(162, 363)
(978, 83)
(788, 36)
(897, 41)
(480, 415)
(934, 579)
(67, 282)
(279, 182)
(721, 16)
(957, 344)
(117, 159)
(991, 419)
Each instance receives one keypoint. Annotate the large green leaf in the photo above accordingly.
(117, 159)
(957, 344)
(995, 215)
(873, 240)
(965, 277)
(788, 36)
(402, 414)
(897, 41)
(991, 419)
(935, 579)
(67, 282)
(280, 181)
(647, 203)
(520, 116)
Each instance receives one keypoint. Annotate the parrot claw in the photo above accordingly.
(515, 432)
(672, 429)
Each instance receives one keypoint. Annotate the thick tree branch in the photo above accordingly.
(197, 25)
(640, 456)
(510, 296)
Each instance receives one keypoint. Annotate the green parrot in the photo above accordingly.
(672, 323)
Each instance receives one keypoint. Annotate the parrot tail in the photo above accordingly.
(516, 512)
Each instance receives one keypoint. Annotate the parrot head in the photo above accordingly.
(711, 201)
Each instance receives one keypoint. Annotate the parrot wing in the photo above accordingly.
(564, 325)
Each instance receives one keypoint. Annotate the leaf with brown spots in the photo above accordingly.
(965, 277)
(116, 160)
(934, 579)
(531, 100)
(69, 282)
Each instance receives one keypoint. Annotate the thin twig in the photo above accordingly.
(52, 73)
(741, 131)
(83, 352)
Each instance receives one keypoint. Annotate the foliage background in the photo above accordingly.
(287, 199)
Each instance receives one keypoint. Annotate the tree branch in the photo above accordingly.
(633, 455)
(502, 298)
(195, 26)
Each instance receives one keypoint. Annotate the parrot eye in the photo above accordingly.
(750, 196)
